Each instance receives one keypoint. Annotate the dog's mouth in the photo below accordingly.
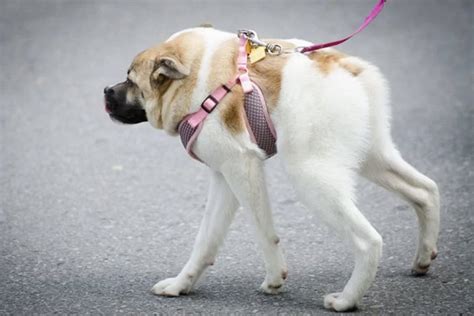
(119, 118)
(130, 118)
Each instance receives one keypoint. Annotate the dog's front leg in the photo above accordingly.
(220, 210)
(245, 176)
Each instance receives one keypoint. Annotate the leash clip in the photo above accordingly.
(254, 41)
(273, 49)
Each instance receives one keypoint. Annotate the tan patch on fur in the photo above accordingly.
(327, 61)
(354, 69)
(232, 111)
(265, 73)
(223, 64)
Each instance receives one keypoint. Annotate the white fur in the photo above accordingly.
(330, 129)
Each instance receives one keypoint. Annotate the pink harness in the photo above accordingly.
(257, 118)
(259, 124)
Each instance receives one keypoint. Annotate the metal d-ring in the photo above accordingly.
(250, 34)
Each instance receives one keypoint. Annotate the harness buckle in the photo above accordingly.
(209, 107)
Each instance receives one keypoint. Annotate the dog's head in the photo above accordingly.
(139, 97)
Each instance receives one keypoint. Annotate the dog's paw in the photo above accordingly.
(422, 262)
(270, 288)
(274, 285)
(171, 287)
(336, 302)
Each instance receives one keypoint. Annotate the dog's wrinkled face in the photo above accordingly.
(138, 98)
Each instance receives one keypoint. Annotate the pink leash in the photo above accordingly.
(375, 11)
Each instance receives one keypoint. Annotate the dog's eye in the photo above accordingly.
(129, 82)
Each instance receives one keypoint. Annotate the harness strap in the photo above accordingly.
(242, 65)
(375, 11)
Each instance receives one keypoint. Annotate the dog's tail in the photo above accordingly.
(378, 94)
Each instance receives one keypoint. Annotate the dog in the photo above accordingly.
(331, 114)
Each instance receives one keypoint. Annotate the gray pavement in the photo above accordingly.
(93, 213)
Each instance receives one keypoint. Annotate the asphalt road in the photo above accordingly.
(94, 213)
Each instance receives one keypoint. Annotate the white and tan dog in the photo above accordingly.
(332, 117)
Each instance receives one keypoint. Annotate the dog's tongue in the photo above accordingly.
(106, 107)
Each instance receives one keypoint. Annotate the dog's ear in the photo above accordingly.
(169, 67)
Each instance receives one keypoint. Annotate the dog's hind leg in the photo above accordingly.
(220, 211)
(245, 176)
(387, 168)
(327, 188)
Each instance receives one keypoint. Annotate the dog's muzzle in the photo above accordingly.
(119, 109)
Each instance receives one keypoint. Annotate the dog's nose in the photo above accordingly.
(108, 90)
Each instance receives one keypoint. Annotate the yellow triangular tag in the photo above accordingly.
(257, 54)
